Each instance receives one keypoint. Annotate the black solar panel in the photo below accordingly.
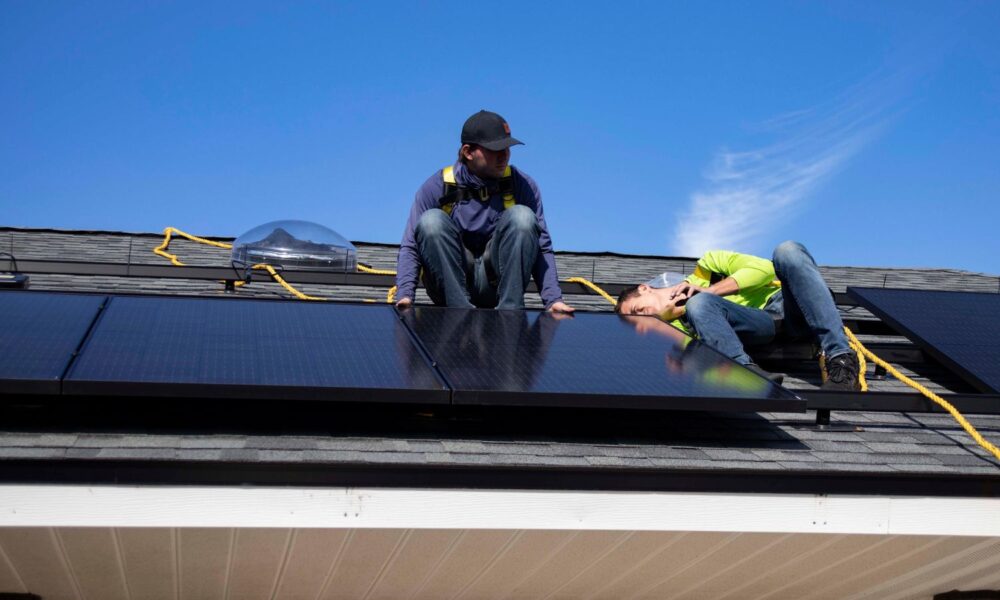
(39, 332)
(959, 329)
(542, 359)
(252, 349)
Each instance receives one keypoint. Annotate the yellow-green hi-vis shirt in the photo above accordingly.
(754, 275)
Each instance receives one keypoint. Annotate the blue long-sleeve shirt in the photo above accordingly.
(477, 220)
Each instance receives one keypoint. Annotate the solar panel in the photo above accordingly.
(959, 329)
(597, 360)
(39, 332)
(228, 348)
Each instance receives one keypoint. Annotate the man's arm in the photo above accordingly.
(408, 259)
(544, 271)
(741, 272)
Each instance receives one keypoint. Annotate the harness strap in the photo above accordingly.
(454, 193)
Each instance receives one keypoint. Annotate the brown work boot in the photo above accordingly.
(841, 373)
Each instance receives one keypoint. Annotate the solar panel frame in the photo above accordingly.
(920, 333)
(448, 349)
(239, 349)
(40, 333)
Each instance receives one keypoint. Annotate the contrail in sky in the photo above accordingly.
(748, 193)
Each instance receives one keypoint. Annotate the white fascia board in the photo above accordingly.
(155, 506)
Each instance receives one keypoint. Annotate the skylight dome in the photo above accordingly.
(295, 245)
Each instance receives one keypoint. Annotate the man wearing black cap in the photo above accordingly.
(477, 230)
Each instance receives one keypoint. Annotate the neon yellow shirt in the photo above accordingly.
(754, 275)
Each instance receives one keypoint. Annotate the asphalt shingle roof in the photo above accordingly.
(856, 443)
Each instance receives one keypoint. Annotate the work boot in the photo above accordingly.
(775, 378)
(841, 373)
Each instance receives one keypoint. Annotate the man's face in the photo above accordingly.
(486, 164)
(654, 302)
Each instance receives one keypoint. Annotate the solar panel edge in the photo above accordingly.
(625, 402)
(254, 392)
(926, 345)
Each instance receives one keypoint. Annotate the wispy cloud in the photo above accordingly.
(748, 193)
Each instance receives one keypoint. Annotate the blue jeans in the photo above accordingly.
(454, 277)
(804, 303)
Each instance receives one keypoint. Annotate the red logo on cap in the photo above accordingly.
(506, 128)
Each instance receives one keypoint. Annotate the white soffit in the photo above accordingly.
(375, 508)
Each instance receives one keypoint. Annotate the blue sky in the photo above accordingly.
(868, 131)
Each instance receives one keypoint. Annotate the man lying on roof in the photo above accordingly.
(734, 299)
(477, 229)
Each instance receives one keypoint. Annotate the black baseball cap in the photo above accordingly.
(489, 130)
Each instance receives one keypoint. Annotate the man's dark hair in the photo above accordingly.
(627, 294)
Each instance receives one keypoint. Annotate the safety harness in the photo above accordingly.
(454, 193)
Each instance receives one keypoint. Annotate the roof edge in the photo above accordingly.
(375, 508)
(752, 481)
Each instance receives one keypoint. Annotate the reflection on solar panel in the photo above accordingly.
(252, 349)
(39, 333)
(959, 329)
(546, 359)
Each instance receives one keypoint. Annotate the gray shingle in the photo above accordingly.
(730, 454)
(21, 452)
(785, 455)
(877, 458)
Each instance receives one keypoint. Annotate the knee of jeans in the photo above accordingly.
(433, 222)
(788, 252)
(521, 218)
(699, 305)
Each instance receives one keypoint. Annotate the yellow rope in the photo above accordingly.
(391, 294)
(594, 287)
(366, 269)
(862, 365)
(285, 284)
(169, 232)
(983, 442)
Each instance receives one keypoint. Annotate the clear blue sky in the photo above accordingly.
(868, 130)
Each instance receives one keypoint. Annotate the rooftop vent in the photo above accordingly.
(11, 278)
(295, 246)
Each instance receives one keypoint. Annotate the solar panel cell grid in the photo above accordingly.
(535, 358)
(960, 329)
(206, 347)
(39, 332)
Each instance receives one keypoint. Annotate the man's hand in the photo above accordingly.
(561, 307)
(684, 291)
(404, 302)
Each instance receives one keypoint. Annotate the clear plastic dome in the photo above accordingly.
(296, 245)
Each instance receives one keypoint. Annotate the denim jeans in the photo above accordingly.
(804, 303)
(454, 277)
